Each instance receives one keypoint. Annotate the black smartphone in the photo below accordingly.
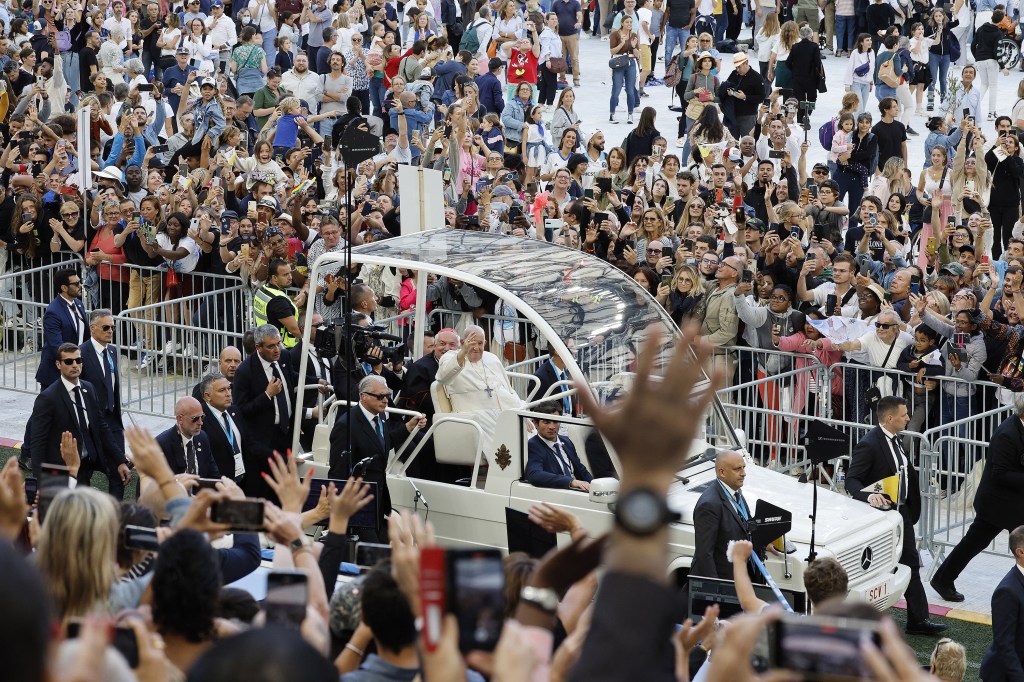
(124, 641)
(776, 154)
(819, 232)
(241, 515)
(31, 488)
(371, 553)
(688, 245)
(145, 87)
(208, 484)
(588, 193)
(830, 303)
(604, 184)
(328, 142)
(796, 233)
(140, 537)
(600, 217)
(225, 225)
(747, 276)
(514, 212)
(813, 191)
(285, 603)
(822, 647)
(476, 596)
(448, 131)
(668, 252)
(159, 148)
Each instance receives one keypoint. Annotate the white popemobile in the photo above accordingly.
(567, 294)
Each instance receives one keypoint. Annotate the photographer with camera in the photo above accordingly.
(361, 356)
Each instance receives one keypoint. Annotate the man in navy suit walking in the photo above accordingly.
(1003, 659)
(63, 322)
(100, 368)
(551, 458)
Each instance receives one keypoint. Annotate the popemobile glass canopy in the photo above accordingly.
(569, 296)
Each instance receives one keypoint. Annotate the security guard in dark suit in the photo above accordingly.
(879, 455)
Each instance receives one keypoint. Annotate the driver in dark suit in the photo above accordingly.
(720, 516)
(1004, 658)
(997, 504)
(373, 436)
(879, 455)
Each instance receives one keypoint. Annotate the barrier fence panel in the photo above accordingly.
(155, 380)
(24, 295)
(950, 473)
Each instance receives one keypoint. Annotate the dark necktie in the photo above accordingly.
(109, 378)
(77, 321)
(83, 423)
(231, 433)
(281, 399)
(740, 506)
(191, 466)
(901, 461)
(563, 459)
(379, 428)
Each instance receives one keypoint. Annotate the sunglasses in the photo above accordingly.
(196, 418)
(379, 396)
(884, 325)
(106, 327)
(72, 361)
(70, 214)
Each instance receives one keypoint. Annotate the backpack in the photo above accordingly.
(471, 39)
(887, 72)
(673, 72)
(826, 132)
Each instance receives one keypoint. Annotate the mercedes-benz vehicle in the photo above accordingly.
(594, 316)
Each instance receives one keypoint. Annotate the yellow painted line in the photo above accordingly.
(970, 616)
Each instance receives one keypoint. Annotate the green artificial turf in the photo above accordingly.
(99, 481)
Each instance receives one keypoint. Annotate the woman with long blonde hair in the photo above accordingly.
(778, 70)
(891, 181)
(77, 551)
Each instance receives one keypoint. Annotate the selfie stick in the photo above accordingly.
(770, 581)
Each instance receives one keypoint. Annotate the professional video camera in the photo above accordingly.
(331, 343)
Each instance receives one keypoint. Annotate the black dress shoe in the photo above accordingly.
(946, 590)
(926, 627)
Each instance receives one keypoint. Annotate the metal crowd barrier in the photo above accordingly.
(190, 332)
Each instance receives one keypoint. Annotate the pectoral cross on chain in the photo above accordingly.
(489, 391)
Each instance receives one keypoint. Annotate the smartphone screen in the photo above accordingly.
(240, 515)
(476, 587)
(140, 537)
(666, 279)
(823, 647)
(371, 553)
(285, 603)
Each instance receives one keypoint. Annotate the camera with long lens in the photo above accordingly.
(331, 343)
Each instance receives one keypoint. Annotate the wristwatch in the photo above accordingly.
(300, 543)
(643, 512)
(544, 598)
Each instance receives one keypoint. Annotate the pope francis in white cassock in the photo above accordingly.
(476, 382)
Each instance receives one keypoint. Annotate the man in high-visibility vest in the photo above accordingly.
(271, 304)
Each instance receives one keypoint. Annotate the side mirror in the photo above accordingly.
(741, 438)
(604, 490)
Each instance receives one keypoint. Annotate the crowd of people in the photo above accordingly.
(216, 143)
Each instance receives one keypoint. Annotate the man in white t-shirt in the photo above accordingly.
(119, 20)
(597, 160)
(644, 17)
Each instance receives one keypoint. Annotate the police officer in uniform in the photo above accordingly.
(271, 304)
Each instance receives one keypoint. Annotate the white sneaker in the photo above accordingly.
(171, 346)
(145, 361)
(629, 118)
(29, 346)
